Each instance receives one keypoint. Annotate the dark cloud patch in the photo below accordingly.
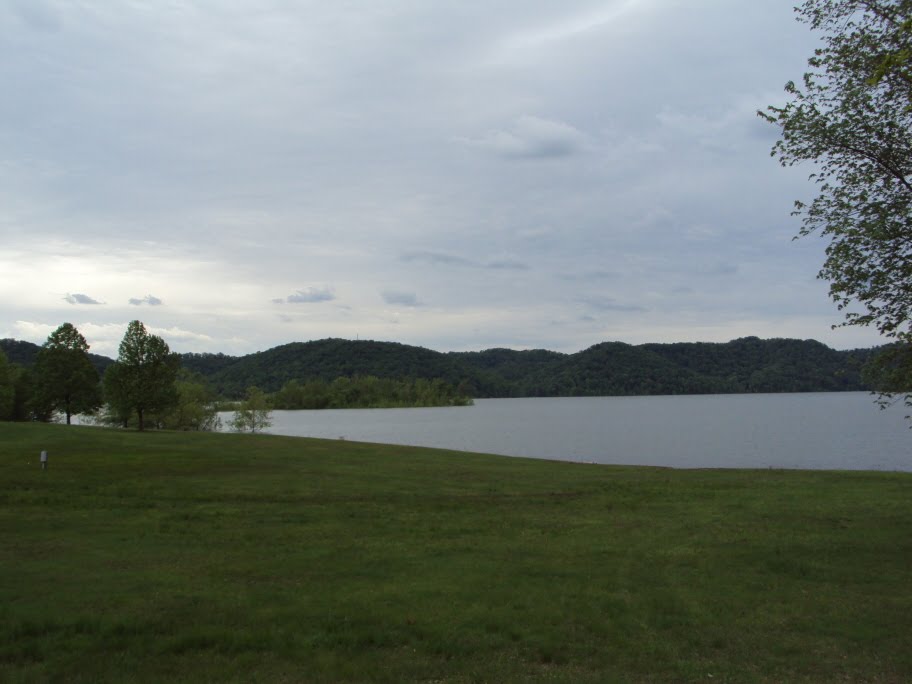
(79, 298)
(720, 269)
(277, 300)
(507, 265)
(36, 14)
(151, 300)
(444, 259)
(438, 258)
(609, 304)
(588, 276)
(311, 295)
(400, 298)
(532, 137)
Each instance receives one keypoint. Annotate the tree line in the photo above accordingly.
(145, 386)
(744, 365)
(149, 386)
(367, 392)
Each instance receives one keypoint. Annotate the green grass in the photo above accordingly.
(233, 558)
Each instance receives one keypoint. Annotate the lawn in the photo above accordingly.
(234, 558)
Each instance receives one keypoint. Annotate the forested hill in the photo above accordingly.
(23, 353)
(325, 360)
(614, 368)
(611, 368)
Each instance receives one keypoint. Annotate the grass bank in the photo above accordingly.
(233, 558)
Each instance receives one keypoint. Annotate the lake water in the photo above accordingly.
(843, 430)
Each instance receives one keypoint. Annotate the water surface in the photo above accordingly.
(843, 430)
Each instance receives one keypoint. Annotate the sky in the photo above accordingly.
(459, 175)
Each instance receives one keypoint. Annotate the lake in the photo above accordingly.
(834, 430)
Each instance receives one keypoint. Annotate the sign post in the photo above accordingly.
(44, 460)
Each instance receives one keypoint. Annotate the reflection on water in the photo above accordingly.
(818, 431)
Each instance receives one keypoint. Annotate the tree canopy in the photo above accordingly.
(254, 414)
(65, 379)
(852, 117)
(7, 389)
(142, 378)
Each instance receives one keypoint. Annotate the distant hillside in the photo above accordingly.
(324, 359)
(23, 353)
(748, 364)
(610, 368)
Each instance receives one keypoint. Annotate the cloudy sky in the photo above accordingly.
(240, 174)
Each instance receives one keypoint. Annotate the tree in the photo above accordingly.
(852, 117)
(254, 414)
(118, 407)
(194, 408)
(65, 379)
(23, 393)
(142, 378)
(7, 389)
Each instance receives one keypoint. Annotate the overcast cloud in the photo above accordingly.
(513, 174)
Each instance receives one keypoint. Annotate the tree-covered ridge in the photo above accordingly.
(610, 368)
(327, 360)
(24, 353)
(613, 368)
(749, 364)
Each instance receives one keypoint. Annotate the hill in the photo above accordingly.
(23, 353)
(748, 364)
(610, 368)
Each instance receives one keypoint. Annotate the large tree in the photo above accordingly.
(65, 379)
(142, 378)
(852, 117)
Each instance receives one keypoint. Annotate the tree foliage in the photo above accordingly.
(194, 408)
(852, 117)
(65, 379)
(254, 414)
(142, 379)
(305, 375)
(7, 389)
(367, 392)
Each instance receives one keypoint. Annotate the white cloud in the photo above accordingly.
(175, 333)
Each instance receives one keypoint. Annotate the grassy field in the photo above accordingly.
(231, 558)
